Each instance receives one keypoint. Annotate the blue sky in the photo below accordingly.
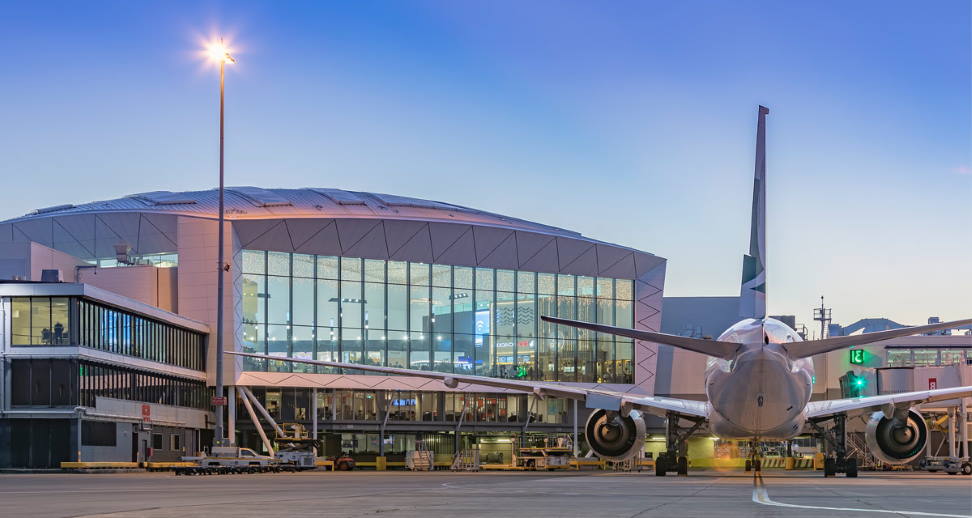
(632, 122)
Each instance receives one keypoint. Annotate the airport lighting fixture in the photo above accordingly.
(219, 53)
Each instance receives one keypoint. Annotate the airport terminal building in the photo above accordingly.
(109, 313)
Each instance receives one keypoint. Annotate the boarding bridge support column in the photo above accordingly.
(951, 432)
(263, 411)
(964, 423)
(257, 425)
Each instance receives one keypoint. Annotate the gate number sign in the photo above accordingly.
(857, 356)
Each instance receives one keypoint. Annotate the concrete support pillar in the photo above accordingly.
(231, 406)
(314, 416)
(964, 425)
(576, 444)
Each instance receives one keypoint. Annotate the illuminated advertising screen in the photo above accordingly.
(482, 327)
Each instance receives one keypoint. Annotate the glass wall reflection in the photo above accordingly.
(432, 317)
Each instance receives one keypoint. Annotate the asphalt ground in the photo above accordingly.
(496, 494)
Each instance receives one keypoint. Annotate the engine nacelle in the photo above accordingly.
(896, 441)
(614, 437)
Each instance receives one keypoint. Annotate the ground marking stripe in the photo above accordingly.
(760, 496)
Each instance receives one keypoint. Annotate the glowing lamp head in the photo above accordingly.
(219, 53)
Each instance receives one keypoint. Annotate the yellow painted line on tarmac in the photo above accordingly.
(761, 496)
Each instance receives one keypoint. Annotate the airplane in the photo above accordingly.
(758, 381)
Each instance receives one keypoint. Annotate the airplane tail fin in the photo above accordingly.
(752, 293)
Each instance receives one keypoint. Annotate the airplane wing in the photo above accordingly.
(885, 402)
(593, 398)
(724, 350)
(812, 347)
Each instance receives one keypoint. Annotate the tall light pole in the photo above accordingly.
(220, 53)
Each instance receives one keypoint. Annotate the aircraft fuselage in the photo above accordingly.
(761, 393)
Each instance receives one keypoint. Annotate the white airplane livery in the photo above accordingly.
(758, 381)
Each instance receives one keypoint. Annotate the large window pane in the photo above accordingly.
(420, 355)
(351, 304)
(59, 320)
(441, 276)
(624, 289)
(418, 307)
(441, 311)
(303, 302)
(483, 338)
(462, 277)
(351, 269)
(303, 339)
(254, 261)
(278, 341)
(375, 347)
(278, 306)
(40, 321)
(397, 272)
(278, 263)
(254, 298)
(327, 304)
(374, 270)
(374, 306)
(418, 274)
(397, 307)
(327, 267)
(20, 320)
(303, 265)
(463, 355)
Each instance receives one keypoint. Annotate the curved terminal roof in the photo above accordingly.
(309, 202)
(327, 222)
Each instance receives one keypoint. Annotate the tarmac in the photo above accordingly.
(495, 494)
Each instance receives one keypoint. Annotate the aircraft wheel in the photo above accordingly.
(967, 468)
(682, 466)
(660, 467)
(850, 466)
(830, 467)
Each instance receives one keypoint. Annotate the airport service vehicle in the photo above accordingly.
(950, 465)
(229, 458)
(758, 380)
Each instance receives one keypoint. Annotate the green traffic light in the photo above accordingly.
(859, 382)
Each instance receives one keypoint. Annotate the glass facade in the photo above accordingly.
(50, 321)
(40, 321)
(445, 318)
(102, 380)
(109, 329)
(294, 404)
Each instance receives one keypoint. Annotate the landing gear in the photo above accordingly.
(675, 437)
(835, 437)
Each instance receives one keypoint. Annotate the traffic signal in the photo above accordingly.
(853, 385)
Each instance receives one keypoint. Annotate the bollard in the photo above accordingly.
(381, 463)
(790, 463)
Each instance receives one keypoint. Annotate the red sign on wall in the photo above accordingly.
(932, 383)
(147, 412)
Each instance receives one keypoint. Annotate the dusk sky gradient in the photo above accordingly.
(631, 122)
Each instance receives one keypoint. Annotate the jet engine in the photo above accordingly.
(896, 440)
(614, 437)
